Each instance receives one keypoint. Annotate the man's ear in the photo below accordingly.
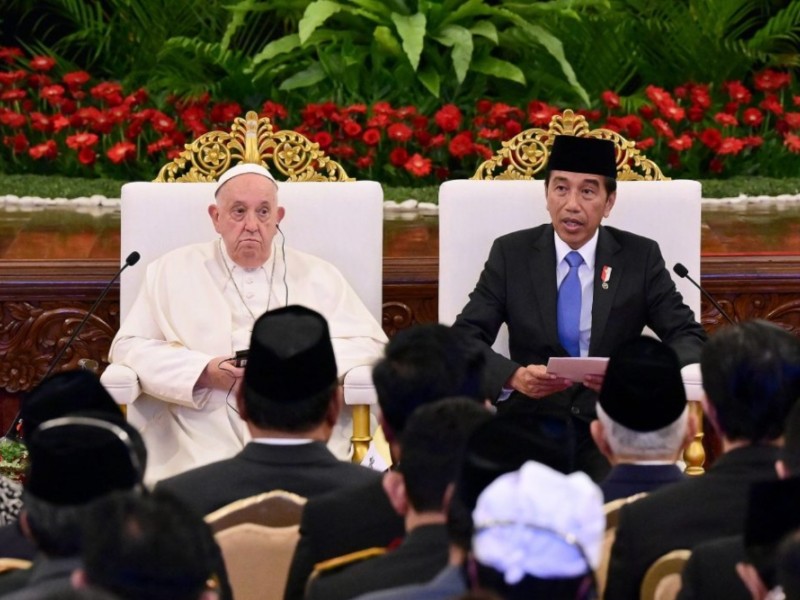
(599, 437)
(395, 487)
(240, 405)
(213, 212)
(781, 469)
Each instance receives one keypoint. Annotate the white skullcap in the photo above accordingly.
(243, 169)
(509, 511)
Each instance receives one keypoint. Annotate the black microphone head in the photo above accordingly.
(680, 270)
(133, 258)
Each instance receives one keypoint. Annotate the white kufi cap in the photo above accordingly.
(513, 508)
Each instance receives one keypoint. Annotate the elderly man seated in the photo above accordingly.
(196, 309)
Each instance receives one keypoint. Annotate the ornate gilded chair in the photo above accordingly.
(503, 196)
(662, 581)
(611, 511)
(340, 222)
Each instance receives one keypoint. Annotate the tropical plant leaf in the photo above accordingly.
(781, 33)
(496, 67)
(277, 47)
(485, 29)
(315, 15)
(387, 41)
(412, 33)
(430, 79)
(310, 76)
(460, 40)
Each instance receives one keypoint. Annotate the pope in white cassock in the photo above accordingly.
(196, 308)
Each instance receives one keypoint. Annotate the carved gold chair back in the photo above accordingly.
(611, 510)
(662, 581)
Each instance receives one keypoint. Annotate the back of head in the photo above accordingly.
(290, 375)
(538, 524)
(642, 405)
(433, 444)
(63, 394)
(751, 376)
(423, 364)
(148, 548)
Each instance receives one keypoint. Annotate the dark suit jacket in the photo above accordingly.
(338, 523)
(306, 469)
(684, 515)
(627, 479)
(518, 287)
(423, 553)
(711, 574)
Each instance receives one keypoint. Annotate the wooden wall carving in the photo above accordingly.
(42, 301)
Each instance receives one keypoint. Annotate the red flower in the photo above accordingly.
(540, 113)
(448, 118)
(489, 134)
(51, 92)
(383, 108)
(356, 109)
(13, 95)
(18, 143)
(160, 144)
(658, 95)
(371, 137)
(726, 119)
(42, 63)
(423, 137)
(12, 119)
(482, 150)
(752, 117)
(730, 145)
(398, 157)
(323, 138)
(75, 78)
(9, 78)
(345, 151)
(591, 115)
(483, 106)
(673, 112)
(109, 92)
(796, 100)
(380, 121)
(684, 142)
(461, 145)
(406, 111)
(399, 132)
(40, 122)
(437, 141)
(351, 128)
(365, 162)
(711, 138)
(420, 122)
(715, 165)
(512, 128)
(753, 141)
(793, 120)
(59, 122)
(769, 80)
(87, 156)
(645, 144)
(162, 123)
(273, 110)
(8, 55)
(772, 104)
(647, 111)
(700, 96)
(225, 112)
(792, 142)
(82, 140)
(662, 128)
(737, 92)
(46, 150)
(418, 166)
(39, 80)
(610, 99)
(121, 151)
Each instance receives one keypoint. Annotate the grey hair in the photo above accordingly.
(644, 445)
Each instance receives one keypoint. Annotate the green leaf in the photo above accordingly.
(498, 68)
(316, 14)
(310, 76)
(280, 46)
(387, 41)
(430, 79)
(485, 29)
(460, 39)
(412, 32)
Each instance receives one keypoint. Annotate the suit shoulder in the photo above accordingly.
(628, 238)
(523, 236)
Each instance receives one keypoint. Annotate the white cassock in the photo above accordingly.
(196, 304)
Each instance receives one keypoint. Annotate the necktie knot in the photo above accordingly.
(574, 259)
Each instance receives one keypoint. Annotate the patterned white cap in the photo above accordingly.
(526, 520)
(243, 169)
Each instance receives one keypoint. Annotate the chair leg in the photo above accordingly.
(361, 433)
(695, 455)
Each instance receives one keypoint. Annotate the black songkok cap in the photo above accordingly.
(505, 443)
(643, 389)
(291, 356)
(63, 394)
(73, 464)
(583, 155)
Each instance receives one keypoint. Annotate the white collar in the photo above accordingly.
(587, 251)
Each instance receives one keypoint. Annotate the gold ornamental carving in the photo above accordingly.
(252, 140)
(527, 153)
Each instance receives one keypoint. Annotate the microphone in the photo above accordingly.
(683, 272)
(131, 260)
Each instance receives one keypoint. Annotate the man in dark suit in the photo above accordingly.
(751, 379)
(643, 420)
(573, 288)
(422, 364)
(433, 444)
(290, 401)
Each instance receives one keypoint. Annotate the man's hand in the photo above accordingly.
(221, 374)
(594, 382)
(536, 382)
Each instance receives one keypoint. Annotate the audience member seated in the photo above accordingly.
(422, 364)
(643, 420)
(148, 548)
(197, 307)
(57, 396)
(538, 534)
(419, 490)
(751, 379)
(499, 446)
(712, 570)
(73, 461)
(290, 402)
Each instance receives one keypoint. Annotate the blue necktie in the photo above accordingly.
(569, 307)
